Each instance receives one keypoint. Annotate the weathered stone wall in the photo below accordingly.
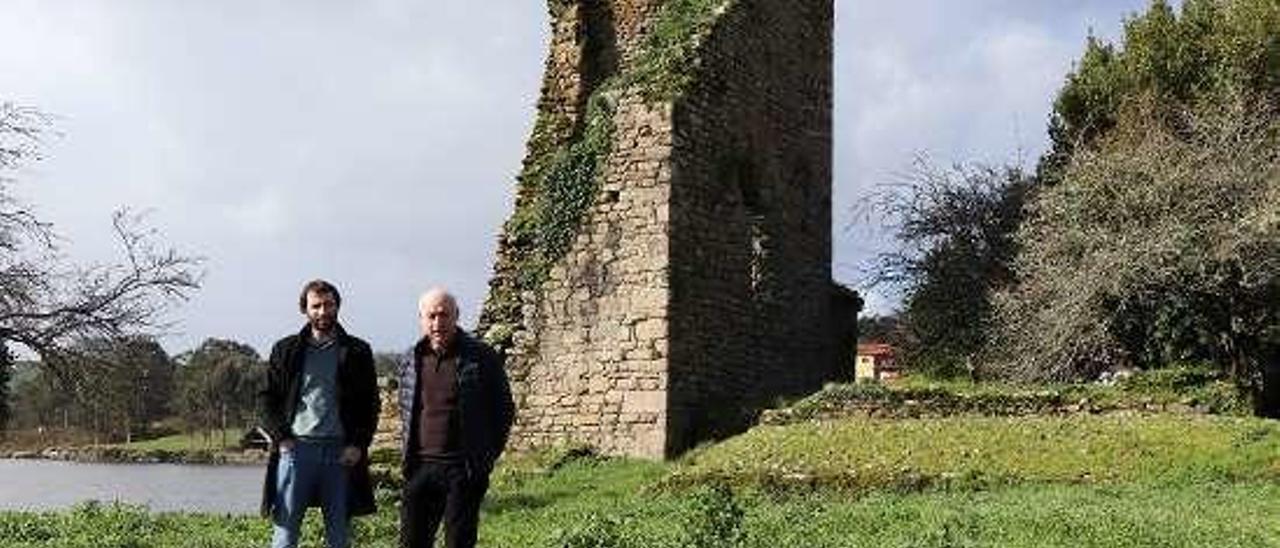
(751, 218)
(589, 360)
(697, 287)
(598, 374)
(388, 434)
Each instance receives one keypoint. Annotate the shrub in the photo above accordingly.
(716, 518)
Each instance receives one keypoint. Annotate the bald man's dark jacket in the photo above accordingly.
(485, 408)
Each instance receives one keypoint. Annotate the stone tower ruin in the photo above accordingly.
(666, 273)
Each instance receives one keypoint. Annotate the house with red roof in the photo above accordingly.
(876, 362)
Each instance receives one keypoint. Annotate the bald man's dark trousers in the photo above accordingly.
(438, 491)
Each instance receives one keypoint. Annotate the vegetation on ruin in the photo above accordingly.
(567, 181)
(1181, 389)
(562, 182)
(668, 61)
(561, 175)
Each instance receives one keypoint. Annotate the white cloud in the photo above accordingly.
(377, 143)
(954, 81)
(264, 214)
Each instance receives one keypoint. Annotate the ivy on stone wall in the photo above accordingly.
(566, 183)
(563, 176)
(556, 8)
(667, 61)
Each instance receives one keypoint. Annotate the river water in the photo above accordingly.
(54, 485)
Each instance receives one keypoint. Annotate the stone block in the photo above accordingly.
(643, 400)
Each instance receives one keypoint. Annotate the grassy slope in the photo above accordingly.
(1168, 390)
(1122, 479)
(186, 442)
(1153, 481)
(554, 511)
(1034, 516)
(970, 452)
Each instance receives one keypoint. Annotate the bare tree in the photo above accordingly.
(953, 230)
(47, 302)
(1157, 247)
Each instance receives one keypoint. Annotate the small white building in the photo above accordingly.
(876, 362)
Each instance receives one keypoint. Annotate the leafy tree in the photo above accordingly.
(955, 232)
(1214, 51)
(6, 382)
(1157, 247)
(885, 329)
(120, 385)
(38, 400)
(387, 363)
(150, 372)
(1153, 239)
(158, 379)
(50, 305)
(218, 382)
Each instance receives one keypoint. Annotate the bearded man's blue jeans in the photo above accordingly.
(311, 472)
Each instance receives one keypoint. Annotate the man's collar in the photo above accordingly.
(338, 332)
(328, 340)
(423, 346)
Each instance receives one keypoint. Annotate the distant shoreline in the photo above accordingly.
(123, 455)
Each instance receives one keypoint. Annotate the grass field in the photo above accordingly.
(1087, 480)
(605, 504)
(186, 442)
(986, 452)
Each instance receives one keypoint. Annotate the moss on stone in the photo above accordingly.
(564, 181)
(667, 61)
(562, 175)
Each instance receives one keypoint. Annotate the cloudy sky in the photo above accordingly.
(375, 143)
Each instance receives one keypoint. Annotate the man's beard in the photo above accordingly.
(323, 325)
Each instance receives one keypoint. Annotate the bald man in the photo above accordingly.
(456, 412)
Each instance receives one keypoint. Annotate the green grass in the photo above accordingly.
(1079, 480)
(981, 452)
(1183, 390)
(184, 442)
(1030, 516)
(115, 526)
(606, 505)
(178, 448)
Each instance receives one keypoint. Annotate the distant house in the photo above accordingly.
(876, 363)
